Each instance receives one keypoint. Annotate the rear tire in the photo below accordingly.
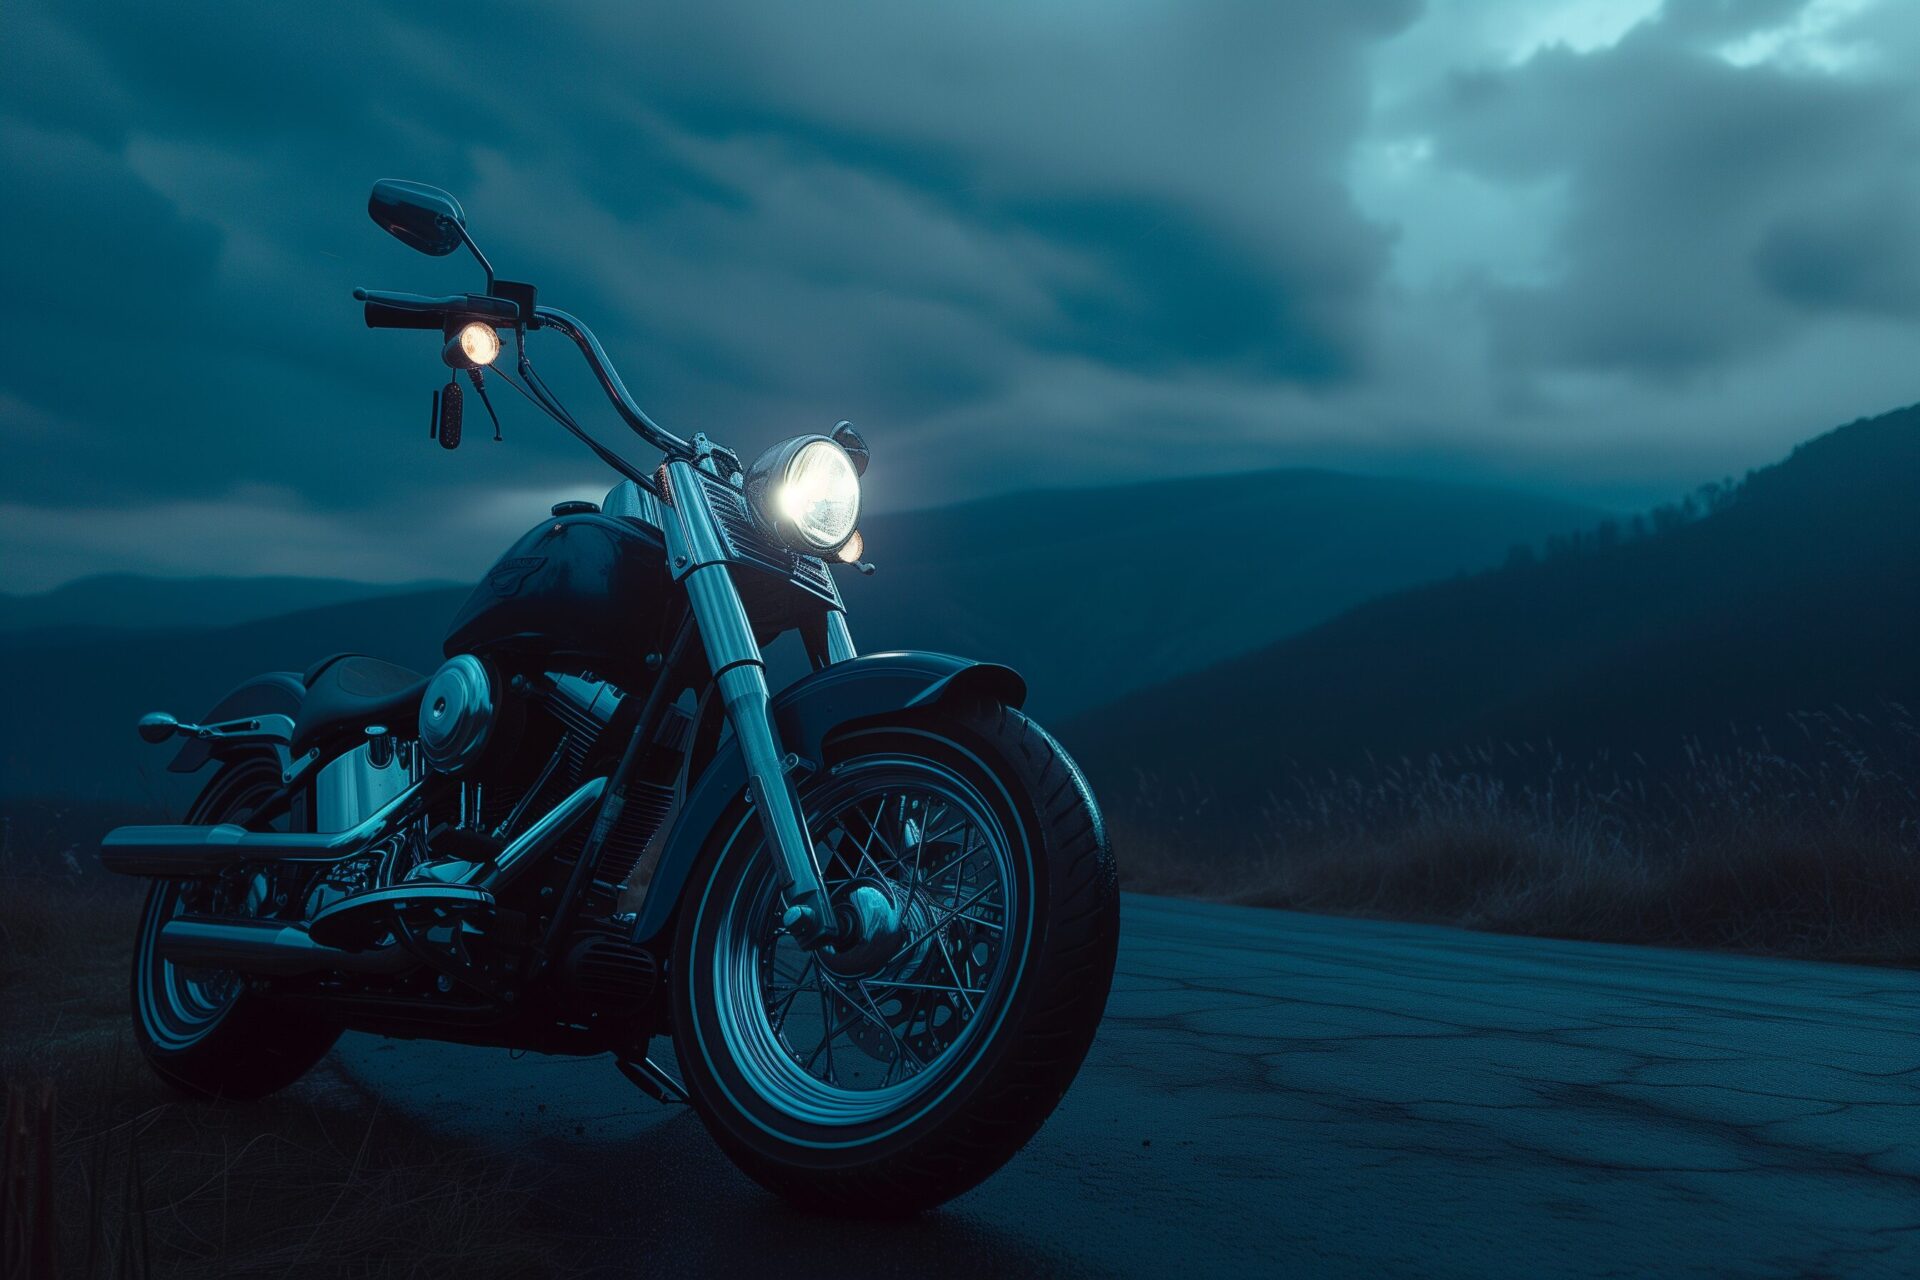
(203, 1032)
(984, 1034)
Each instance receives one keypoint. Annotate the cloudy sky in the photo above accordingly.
(1600, 248)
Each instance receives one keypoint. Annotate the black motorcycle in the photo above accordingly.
(876, 912)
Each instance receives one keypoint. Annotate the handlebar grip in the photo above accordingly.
(417, 311)
(382, 316)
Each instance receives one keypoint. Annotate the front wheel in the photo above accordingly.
(888, 1075)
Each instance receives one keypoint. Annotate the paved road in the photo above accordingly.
(1295, 1094)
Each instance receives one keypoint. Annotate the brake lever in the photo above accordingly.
(480, 389)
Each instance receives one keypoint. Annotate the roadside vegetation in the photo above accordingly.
(315, 1181)
(1806, 843)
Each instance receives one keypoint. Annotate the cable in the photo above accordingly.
(538, 394)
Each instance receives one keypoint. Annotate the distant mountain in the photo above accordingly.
(1092, 593)
(1089, 592)
(1800, 591)
(132, 600)
(67, 705)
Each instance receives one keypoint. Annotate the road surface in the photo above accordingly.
(1304, 1095)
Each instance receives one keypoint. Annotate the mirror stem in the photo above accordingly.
(479, 257)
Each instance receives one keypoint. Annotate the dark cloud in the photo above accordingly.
(1020, 246)
(1698, 195)
(1860, 254)
(774, 214)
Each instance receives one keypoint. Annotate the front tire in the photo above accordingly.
(202, 1031)
(885, 1078)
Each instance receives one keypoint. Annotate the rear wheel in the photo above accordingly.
(200, 1030)
(889, 1075)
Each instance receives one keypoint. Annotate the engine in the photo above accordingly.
(521, 745)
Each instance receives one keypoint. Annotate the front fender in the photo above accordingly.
(806, 713)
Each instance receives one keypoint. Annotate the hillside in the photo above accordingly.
(1092, 593)
(68, 705)
(1086, 591)
(133, 600)
(1796, 593)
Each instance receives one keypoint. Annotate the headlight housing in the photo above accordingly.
(806, 491)
(475, 346)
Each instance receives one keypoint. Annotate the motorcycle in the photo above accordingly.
(875, 913)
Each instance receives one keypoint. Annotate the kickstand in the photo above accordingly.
(651, 1080)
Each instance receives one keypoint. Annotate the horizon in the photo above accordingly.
(510, 523)
(511, 526)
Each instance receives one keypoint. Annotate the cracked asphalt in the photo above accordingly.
(1274, 1092)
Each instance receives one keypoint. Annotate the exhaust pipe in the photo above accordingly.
(182, 853)
(539, 837)
(266, 947)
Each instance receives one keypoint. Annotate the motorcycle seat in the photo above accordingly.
(347, 692)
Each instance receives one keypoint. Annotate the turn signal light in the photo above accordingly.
(476, 345)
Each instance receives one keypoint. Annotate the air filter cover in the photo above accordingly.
(459, 714)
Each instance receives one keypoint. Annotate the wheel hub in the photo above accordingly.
(876, 919)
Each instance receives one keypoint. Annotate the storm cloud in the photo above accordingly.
(1602, 248)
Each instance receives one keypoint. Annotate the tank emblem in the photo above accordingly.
(510, 575)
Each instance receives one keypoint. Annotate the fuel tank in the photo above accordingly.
(590, 588)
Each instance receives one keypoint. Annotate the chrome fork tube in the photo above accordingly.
(839, 639)
(739, 671)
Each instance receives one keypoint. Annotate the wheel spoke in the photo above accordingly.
(929, 848)
(779, 1020)
(873, 1015)
(867, 859)
(798, 978)
(944, 921)
(866, 847)
(923, 986)
(994, 925)
(935, 837)
(955, 971)
(873, 825)
(966, 852)
(832, 1032)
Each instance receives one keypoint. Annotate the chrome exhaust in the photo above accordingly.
(278, 948)
(539, 837)
(181, 852)
(266, 947)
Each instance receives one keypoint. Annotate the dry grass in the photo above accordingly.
(314, 1181)
(1810, 852)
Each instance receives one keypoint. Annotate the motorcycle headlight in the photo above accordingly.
(807, 492)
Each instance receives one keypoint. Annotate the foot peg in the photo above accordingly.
(157, 726)
(364, 919)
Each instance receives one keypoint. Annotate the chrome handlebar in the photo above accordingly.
(596, 356)
(385, 310)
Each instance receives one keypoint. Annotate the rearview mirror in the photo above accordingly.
(418, 216)
(854, 443)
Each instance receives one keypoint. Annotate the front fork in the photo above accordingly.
(699, 560)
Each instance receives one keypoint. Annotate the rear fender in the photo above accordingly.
(807, 714)
(271, 693)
